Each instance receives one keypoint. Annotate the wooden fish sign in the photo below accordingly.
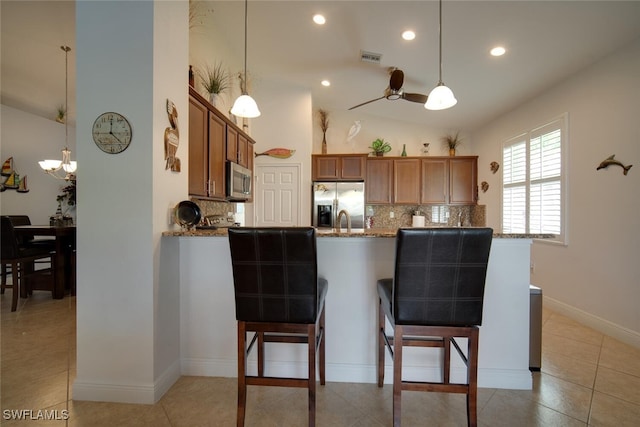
(278, 153)
(612, 161)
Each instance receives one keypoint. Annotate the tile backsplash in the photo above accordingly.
(435, 215)
(443, 215)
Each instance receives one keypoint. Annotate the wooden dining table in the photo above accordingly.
(65, 238)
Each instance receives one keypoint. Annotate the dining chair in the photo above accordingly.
(280, 299)
(20, 258)
(435, 297)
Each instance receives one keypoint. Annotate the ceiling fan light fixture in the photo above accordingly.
(440, 98)
(245, 106)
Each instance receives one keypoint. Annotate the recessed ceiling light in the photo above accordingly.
(319, 19)
(325, 83)
(408, 35)
(498, 51)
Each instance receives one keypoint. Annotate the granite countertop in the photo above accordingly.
(370, 232)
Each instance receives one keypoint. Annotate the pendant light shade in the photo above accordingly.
(245, 106)
(441, 97)
(68, 167)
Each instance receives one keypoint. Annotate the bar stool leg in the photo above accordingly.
(242, 370)
(397, 376)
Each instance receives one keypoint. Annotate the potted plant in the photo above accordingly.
(379, 147)
(452, 141)
(215, 81)
(61, 115)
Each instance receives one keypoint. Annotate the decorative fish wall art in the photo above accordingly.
(278, 153)
(612, 161)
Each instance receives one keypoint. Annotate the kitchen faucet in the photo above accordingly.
(339, 220)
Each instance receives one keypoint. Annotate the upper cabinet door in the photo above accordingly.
(198, 141)
(353, 167)
(463, 177)
(379, 182)
(435, 181)
(232, 144)
(217, 171)
(338, 167)
(406, 181)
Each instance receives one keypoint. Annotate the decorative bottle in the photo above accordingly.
(404, 150)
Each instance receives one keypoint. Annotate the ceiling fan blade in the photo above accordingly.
(365, 103)
(415, 97)
(396, 80)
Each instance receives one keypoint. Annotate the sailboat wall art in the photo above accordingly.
(13, 181)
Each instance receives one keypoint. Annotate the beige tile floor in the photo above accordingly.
(587, 379)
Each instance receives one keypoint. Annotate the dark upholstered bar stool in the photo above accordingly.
(436, 295)
(280, 298)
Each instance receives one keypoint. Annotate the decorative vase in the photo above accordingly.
(214, 98)
(404, 150)
(191, 77)
(452, 151)
(324, 143)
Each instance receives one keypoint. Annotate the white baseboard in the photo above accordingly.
(139, 394)
(601, 325)
(487, 378)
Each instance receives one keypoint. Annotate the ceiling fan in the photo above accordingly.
(394, 90)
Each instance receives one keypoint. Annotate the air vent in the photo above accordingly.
(371, 57)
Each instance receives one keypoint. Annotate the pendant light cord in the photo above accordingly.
(244, 82)
(66, 95)
(440, 47)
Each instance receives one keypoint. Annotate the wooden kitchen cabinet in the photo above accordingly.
(243, 144)
(463, 180)
(406, 181)
(198, 147)
(379, 181)
(435, 181)
(232, 144)
(213, 140)
(422, 180)
(338, 167)
(449, 181)
(206, 152)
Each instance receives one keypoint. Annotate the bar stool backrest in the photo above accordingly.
(275, 274)
(440, 275)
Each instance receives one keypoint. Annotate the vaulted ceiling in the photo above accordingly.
(546, 42)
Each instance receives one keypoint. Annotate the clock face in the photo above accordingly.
(112, 133)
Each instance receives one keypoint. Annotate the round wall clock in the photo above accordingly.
(112, 132)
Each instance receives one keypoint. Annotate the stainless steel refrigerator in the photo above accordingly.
(329, 198)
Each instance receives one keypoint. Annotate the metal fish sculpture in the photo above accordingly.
(278, 153)
(611, 161)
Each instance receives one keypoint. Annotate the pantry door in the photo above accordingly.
(277, 195)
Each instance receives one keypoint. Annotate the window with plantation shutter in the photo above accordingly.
(533, 185)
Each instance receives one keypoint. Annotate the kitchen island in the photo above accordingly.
(352, 263)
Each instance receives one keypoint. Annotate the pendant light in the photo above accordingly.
(441, 97)
(245, 106)
(68, 167)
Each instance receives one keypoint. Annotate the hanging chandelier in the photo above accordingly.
(441, 97)
(65, 168)
(245, 106)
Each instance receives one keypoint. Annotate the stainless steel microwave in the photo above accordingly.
(238, 181)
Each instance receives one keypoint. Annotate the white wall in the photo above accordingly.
(595, 277)
(29, 138)
(127, 314)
